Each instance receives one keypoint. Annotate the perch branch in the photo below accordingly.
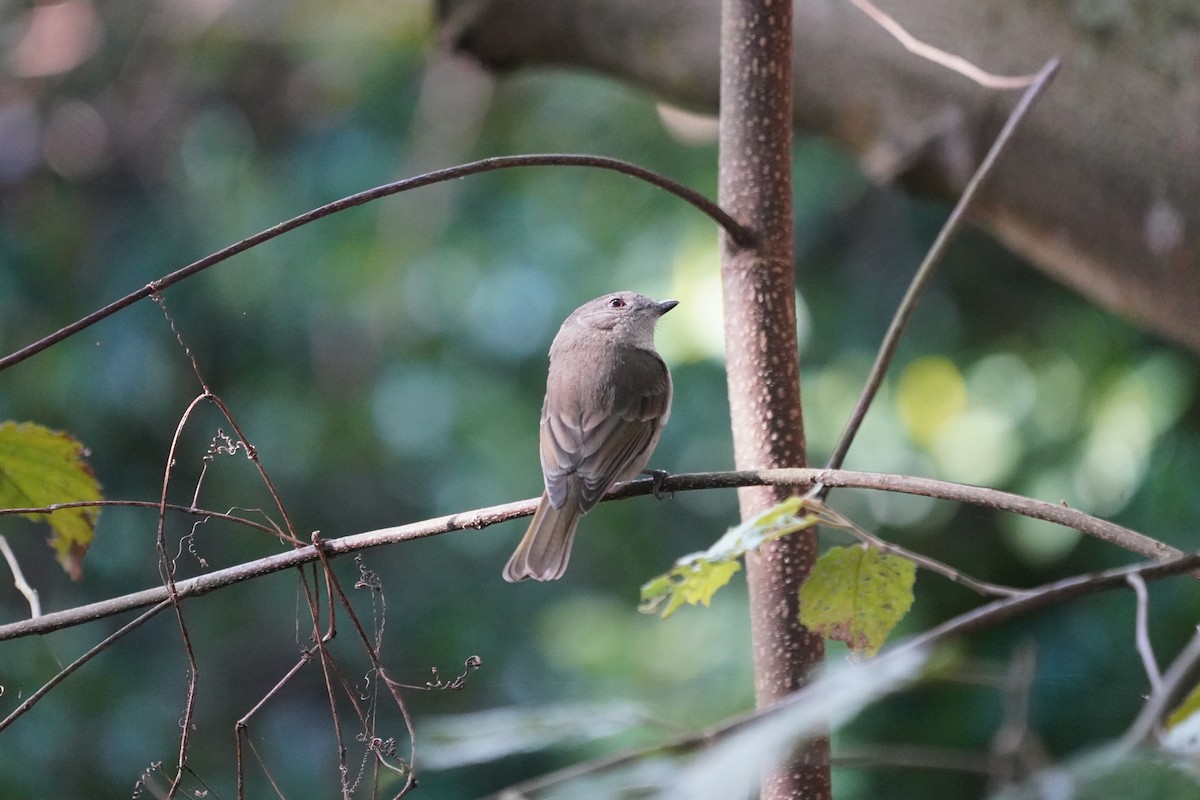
(481, 518)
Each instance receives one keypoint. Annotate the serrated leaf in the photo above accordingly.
(695, 578)
(40, 467)
(857, 595)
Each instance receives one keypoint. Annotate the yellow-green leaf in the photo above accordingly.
(693, 582)
(39, 468)
(1188, 708)
(695, 578)
(857, 595)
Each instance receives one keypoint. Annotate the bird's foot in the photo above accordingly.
(659, 476)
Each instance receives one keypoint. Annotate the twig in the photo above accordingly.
(484, 517)
(19, 582)
(32, 700)
(832, 518)
(735, 230)
(1148, 720)
(372, 650)
(148, 504)
(1011, 749)
(166, 569)
(883, 756)
(1142, 633)
(941, 57)
(241, 728)
(908, 304)
(998, 611)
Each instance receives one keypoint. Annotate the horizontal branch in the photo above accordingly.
(1058, 513)
(800, 479)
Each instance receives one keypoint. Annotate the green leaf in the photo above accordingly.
(857, 595)
(40, 467)
(694, 582)
(695, 578)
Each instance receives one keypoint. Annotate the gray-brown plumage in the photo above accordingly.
(608, 395)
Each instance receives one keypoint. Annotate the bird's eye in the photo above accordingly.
(616, 302)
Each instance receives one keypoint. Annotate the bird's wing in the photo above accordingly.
(611, 442)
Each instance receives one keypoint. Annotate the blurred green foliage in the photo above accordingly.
(387, 363)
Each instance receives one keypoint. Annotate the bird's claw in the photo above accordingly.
(659, 476)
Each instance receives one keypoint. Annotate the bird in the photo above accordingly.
(608, 396)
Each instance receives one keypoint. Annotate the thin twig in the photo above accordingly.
(62, 675)
(241, 728)
(894, 756)
(735, 230)
(832, 518)
(146, 504)
(1142, 633)
(998, 611)
(1012, 744)
(371, 648)
(1149, 719)
(19, 582)
(480, 518)
(941, 57)
(289, 532)
(166, 569)
(334, 588)
(908, 304)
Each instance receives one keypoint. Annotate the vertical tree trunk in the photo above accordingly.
(760, 345)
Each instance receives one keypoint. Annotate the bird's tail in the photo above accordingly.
(546, 546)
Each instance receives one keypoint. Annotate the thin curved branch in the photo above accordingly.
(830, 517)
(938, 56)
(1141, 633)
(147, 504)
(735, 230)
(1151, 715)
(481, 518)
(64, 673)
(999, 611)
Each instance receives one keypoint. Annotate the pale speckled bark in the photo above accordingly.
(1099, 189)
(760, 343)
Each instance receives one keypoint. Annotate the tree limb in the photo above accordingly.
(478, 519)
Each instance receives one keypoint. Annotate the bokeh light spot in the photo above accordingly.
(931, 393)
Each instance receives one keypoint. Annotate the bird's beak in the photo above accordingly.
(666, 305)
